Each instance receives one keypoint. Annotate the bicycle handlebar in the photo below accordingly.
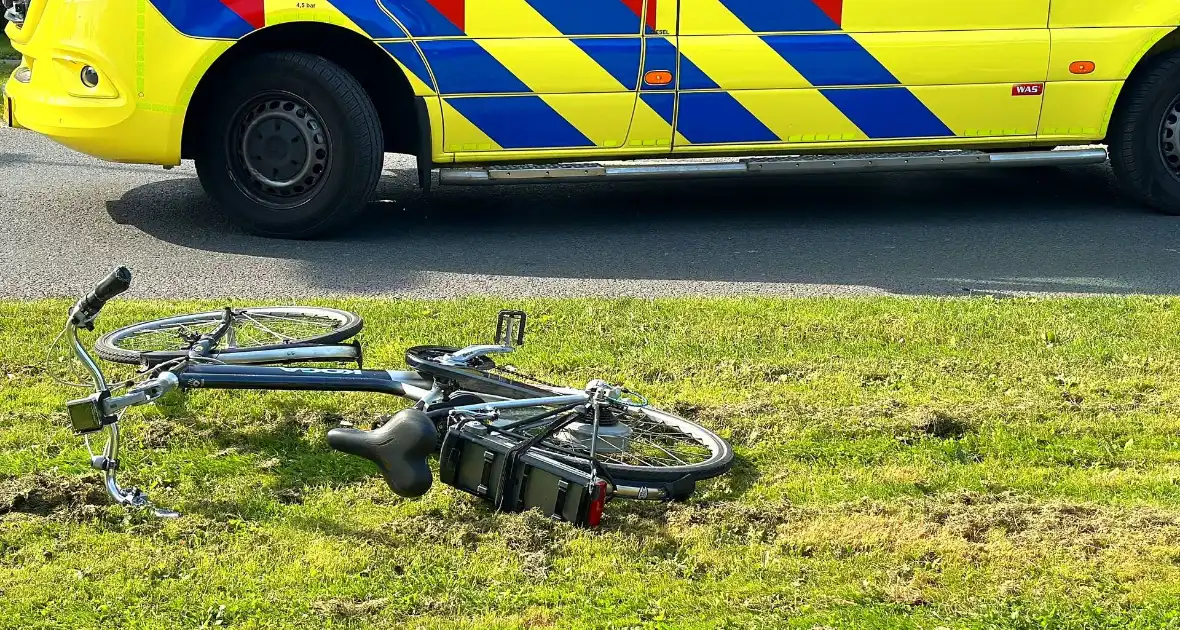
(107, 408)
(143, 393)
(88, 307)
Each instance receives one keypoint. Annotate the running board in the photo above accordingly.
(880, 162)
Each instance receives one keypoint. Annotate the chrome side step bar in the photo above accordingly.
(879, 162)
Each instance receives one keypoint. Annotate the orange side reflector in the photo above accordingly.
(658, 77)
(1082, 67)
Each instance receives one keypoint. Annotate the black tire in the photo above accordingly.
(1139, 132)
(719, 462)
(326, 174)
(112, 346)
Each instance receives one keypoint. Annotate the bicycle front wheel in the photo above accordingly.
(260, 328)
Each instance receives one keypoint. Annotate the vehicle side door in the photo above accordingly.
(859, 72)
(531, 77)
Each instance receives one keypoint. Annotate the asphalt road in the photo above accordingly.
(67, 219)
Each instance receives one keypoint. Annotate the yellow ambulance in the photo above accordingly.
(288, 106)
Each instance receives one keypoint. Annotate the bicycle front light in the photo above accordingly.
(86, 414)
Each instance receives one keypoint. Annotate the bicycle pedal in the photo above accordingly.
(510, 328)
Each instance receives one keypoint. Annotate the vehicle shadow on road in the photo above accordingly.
(1036, 230)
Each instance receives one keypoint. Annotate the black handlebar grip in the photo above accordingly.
(117, 282)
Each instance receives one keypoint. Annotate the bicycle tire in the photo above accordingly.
(108, 348)
(718, 463)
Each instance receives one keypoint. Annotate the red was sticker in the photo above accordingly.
(1028, 89)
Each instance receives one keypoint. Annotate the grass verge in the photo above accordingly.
(6, 50)
(974, 463)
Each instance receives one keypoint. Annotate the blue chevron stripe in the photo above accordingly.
(830, 60)
(663, 103)
(462, 66)
(407, 54)
(777, 16)
(589, 17)
(618, 55)
(718, 118)
(520, 122)
(418, 16)
(367, 15)
(203, 18)
(661, 55)
(693, 78)
(890, 112)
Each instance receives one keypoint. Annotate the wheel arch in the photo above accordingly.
(1164, 45)
(402, 122)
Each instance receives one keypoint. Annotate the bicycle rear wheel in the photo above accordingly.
(647, 445)
(638, 444)
(259, 328)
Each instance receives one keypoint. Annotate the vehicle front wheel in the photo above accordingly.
(1145, 136)
(293, 148)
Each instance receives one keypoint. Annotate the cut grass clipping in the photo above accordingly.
(974, 463)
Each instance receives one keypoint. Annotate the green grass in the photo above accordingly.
(6, 50)
(973, 463)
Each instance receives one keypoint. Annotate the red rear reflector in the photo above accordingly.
(658, 77)
(1082, 67)
(597, 504)
(1028, 89)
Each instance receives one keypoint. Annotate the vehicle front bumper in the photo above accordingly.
(147, 76)
(110, 127)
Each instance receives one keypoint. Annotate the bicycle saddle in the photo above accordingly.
(399, 448)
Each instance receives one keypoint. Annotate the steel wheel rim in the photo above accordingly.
(280, 150)
(1169, 144)
(254, 328)
(650, 425)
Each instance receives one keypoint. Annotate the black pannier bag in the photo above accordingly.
(474, 460)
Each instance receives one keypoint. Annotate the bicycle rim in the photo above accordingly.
(646, 445)
(253, 329)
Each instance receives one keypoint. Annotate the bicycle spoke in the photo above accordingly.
(260, 325)
(634, 459)
(670, 454)
(651, 444)
(285, 328)
(168, 337)
(328, 323)
(250, 328)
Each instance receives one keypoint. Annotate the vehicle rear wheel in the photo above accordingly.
(1145, 136)
(293, 147)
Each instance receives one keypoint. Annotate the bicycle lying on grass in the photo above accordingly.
(520, 445)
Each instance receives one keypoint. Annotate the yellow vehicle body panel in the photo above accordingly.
(1111, 13)
(522, 80)
(135, 114)
(939, 15)
(1079, 107)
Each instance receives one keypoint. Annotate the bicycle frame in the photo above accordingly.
(271, 369)
(407, 384)
(239, 370)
